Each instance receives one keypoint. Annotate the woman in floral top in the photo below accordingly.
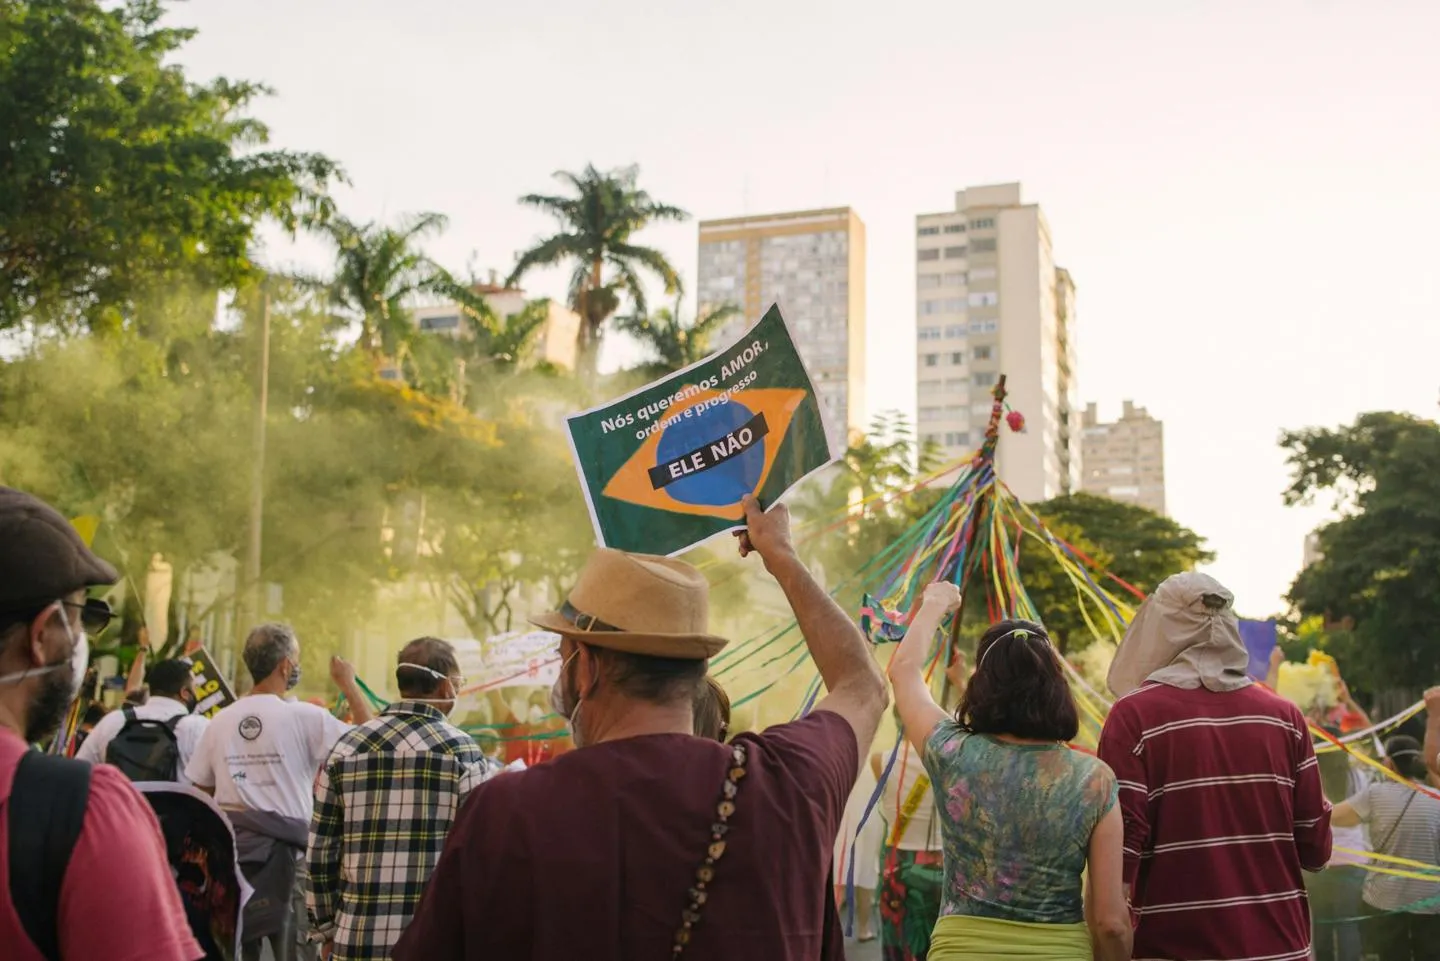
(1022, 815)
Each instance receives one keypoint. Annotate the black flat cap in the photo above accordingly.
(42, 557)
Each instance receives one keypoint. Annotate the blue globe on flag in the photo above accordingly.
(725, 483)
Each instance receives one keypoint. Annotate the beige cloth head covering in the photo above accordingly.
(1185, 634)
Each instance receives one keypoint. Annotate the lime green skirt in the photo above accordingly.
(965, 938)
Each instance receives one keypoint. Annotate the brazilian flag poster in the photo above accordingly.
(665, 467)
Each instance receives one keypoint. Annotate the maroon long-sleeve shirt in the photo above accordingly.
(1223, 810)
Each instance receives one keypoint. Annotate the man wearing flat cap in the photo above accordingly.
(648, 841)
(86, 874)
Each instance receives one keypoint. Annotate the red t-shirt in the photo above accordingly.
(118, 900)
(592, 855)
(1223, 809)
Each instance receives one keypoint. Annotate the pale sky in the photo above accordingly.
(1246, 192)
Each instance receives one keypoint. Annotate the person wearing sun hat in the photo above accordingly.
(110, 893)
(1219, 785)
(648, 840)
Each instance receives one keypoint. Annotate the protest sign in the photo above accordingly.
(212, 692)
(665, 467)
(520, 659)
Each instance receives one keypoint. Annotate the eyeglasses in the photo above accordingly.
(95, 614)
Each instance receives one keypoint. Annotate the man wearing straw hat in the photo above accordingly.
(649, 841)
(1218, 785)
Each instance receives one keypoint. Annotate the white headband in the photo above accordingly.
(1021, 632)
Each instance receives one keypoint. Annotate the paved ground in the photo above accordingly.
(869, 951)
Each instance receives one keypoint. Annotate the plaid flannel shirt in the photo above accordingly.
(383, 804)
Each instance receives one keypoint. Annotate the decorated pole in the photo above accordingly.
(984, 457)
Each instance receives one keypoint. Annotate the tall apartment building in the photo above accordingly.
(1125, 460)
(812, 263)
(990, 300)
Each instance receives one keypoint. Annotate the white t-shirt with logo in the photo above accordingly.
(187, 730)
(263, 753)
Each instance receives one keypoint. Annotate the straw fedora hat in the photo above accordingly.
(639, 604)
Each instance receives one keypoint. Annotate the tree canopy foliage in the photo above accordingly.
(119, 176)
(1135, 544)
(1374, 584)
(671, 343)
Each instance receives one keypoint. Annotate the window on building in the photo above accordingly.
(982, 273)
(954, 228)
(932, 253)
(984, 223)
(927, 333)
(928, 231)
(931, 413)
(930, 306)
(925, 281)
(932, 360)
(953, 279)
(984, 353)
(957, 358)
(984, 379)
(448, 322)
(954, 330)
(955, 383)
(985, 298)
(954, 253)
(954, 305)
(929, 438)
(988, 326)
(957, 438)
(931, 386)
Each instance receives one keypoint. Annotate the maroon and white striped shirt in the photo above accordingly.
(1223, 809)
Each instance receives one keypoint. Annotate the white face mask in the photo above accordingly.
(78, 663)
(561, 706)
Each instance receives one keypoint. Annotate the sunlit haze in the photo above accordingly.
(1245, 193)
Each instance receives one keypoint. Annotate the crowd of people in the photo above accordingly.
(1204, 827)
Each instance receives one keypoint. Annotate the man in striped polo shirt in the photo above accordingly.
(1218, 784)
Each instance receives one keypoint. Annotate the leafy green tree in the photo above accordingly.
(597, 226)
(1131, 542)
(119, 177)
(673, 344)
(1374, 585)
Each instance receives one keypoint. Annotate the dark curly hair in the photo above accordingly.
(1019, 688)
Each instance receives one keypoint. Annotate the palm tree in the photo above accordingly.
(675, 345)
(379, 269)
(505, 342)
(596, 227)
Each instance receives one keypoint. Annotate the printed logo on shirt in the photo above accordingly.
(250, 728)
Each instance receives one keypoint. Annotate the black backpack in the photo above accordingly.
(46, 811)
(146, 750)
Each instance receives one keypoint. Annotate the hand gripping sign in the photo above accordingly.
(665, 467)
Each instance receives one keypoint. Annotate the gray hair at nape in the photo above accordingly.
(266, 646)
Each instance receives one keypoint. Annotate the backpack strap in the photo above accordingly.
(129, 712)
(174, 722)
(47, 810)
